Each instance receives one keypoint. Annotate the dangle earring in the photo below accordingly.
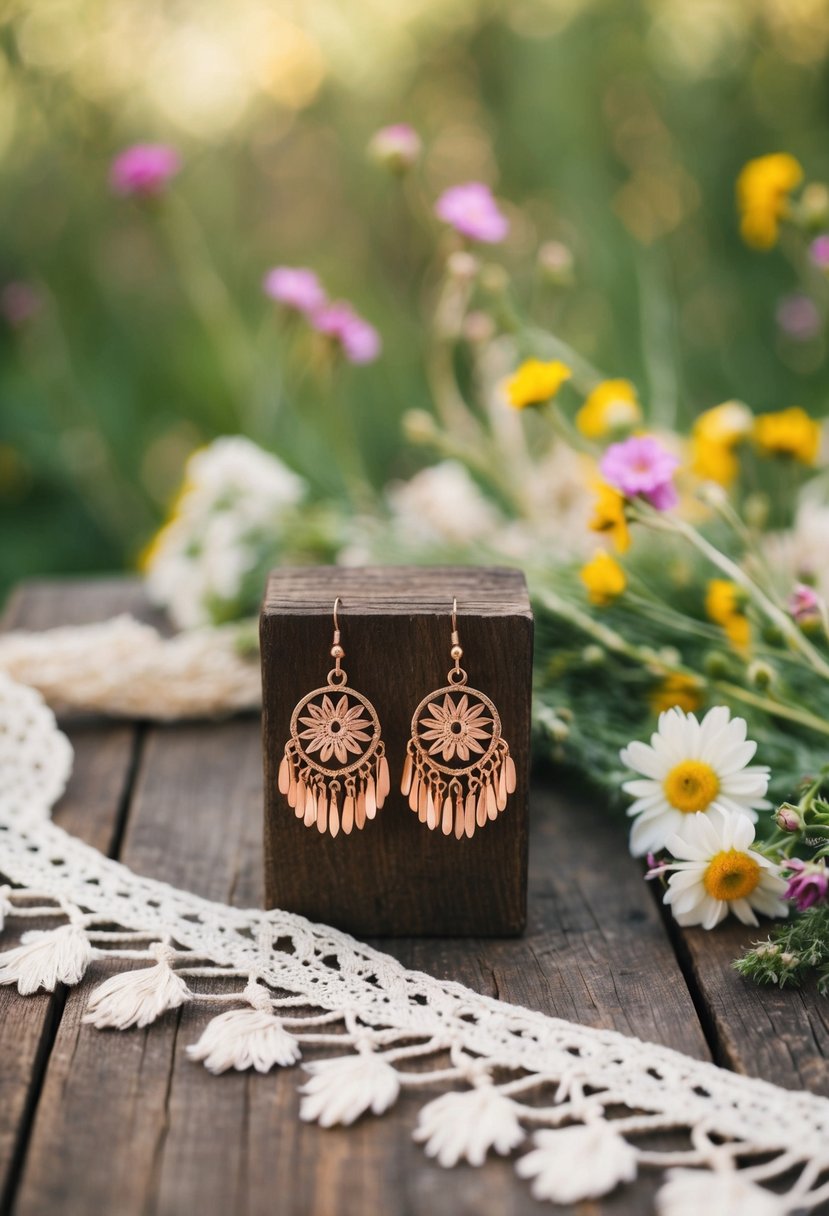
(334, 772)
(458, 771)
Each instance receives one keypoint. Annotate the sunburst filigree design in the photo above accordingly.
(456, 728)
(338, 730)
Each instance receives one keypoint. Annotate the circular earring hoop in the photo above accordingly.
(334, 772)
(458, 772)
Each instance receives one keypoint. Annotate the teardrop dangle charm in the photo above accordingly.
(334, 772)
(458, 773)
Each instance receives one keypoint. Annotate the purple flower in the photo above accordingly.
(19, 303)
(808, 885)
(641, 467)
(804, 604)
(473, 212)
(359, 340)
(798, 318)
(143, 169)
(819, 251)
(397, 147)
(295, 287)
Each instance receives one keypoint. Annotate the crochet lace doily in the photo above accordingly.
(579, 1110)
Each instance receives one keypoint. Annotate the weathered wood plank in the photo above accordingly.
(92, 809)
(781, 1036)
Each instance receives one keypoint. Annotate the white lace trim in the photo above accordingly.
(584, 1102)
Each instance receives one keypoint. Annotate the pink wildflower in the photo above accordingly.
(472, 211)
(397, 147)
(808, 885)
(819, 251)
(143, 169)
(804, 604)
(798, 317)
(359, 340)
(295, 287)
(641, 467)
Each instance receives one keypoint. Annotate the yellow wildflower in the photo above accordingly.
(712, 461)
(604, 578)
(788, 432)
(612, 406)
(536, 382)
(681, 691)
(725, 606)
(763, 189)
(609, 516)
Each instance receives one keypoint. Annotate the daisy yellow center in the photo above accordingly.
(731, 875)
(691, 786)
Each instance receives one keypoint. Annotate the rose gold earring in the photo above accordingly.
(458, 771)
(334, 772)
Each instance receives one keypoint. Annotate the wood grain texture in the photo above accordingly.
(125, 1123)
(396, 877)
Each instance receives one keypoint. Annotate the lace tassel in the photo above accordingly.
(137, 998)
(342, 1089)
(43, 960)
(245, 1038)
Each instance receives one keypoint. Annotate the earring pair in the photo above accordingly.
(457, 774)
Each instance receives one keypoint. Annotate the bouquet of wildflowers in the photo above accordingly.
(678, 573)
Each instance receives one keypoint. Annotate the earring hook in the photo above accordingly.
(336, 622)
(454, 614)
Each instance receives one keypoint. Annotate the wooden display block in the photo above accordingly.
(395, 876)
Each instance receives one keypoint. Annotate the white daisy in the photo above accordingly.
(718, 872)
(691, 767)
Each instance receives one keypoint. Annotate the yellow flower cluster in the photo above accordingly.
(725, 606)
(610, 408)
(790, 433)
(763, 190)
(716, 435)
(536, 382)
(604, 579)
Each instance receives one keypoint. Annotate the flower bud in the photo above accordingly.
(760, 674)
(788, 959)
(463, 266)
(814, 205)
(788, 818)
(772, 635)
(716, 664)
(756, 510)
(494, 279)
(419, 426)
(593, 655)
(478, 328)
(396, 147)
(555, 261)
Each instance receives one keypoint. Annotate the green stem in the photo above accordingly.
(652, 519)
(775, 709)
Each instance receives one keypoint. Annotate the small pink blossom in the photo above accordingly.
(804, 604)
(20, 302)
(641, 467)
(473, 212)
(359, 340)
(808, 885)
(656, 868)
(798, 317)
(143, 169)
(819, 251)
(295, 287)
(397, 147)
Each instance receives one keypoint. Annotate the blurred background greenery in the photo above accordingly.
(616, 126)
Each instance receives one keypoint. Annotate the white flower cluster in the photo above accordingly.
(227, 524)
(698, 796)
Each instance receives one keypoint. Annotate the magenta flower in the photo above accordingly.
(819, 251)
(144, 169)
(295, 287)
(804, 604)
(642, 467)
(397, 147)
(808, 885)
(360, 341)
(472, 211)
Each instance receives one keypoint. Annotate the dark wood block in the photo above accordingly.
(396, 876)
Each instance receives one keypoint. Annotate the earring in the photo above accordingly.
(458, 771)
(334, 772)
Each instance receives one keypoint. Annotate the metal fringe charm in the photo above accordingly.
(334, 772)
(458, 772)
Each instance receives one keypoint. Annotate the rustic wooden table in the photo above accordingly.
(93, 1123)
